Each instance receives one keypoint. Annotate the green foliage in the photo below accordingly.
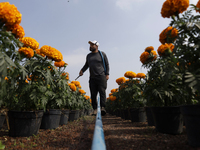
(187, 50)
(130, 94)
(164, 83)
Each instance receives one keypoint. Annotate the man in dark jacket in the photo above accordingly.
(98, 75)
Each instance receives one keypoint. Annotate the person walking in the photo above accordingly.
(98, 65)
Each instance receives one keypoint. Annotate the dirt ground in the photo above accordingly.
(77, 135)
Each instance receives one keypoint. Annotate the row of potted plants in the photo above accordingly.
(33, 81)
(171, 87)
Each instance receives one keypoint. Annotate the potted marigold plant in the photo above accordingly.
(12, 70)
(132, 96)
(187, 51)
(112, 104)
(75, 104)
(9, 58)
(164, 87)
(116, 102)
(87, 105)
(58, 87)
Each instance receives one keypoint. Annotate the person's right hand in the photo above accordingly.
(81, 73)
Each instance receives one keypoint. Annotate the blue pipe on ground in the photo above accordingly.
(98, 142)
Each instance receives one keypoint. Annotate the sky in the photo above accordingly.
(123, 28)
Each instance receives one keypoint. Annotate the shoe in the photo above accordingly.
(94, 112)
(103, 111)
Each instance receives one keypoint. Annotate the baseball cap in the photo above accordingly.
(94, 42)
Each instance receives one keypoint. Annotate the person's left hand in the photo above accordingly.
(107, 77)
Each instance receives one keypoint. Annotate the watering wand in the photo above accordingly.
(77, 77)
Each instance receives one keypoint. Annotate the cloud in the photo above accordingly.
(126, 4)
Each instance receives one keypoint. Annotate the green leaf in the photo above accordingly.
(193, 83)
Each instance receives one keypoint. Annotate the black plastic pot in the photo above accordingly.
(73, 115)
(81, 112)
(149, 115)
(138, 114)
(24, 123)
(2, 119)
(191, 114)
(51, 119)
(127, 115)
(168, 120)
(64, 117)
(122, 114)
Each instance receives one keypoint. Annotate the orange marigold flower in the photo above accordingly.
(81, 91)
(9, 14)
(149, 49)
(112, 98)
(26, 81)
(120, 80)
(140, 75)
(72, 86)
(37, 51)
(28, 52)
(51, 53)
(174, 7)
(29, 42)
(168, 35)
(165, 48)
(114, 90)
(6, 78)
(130, 74)
(144, 57)
(17, 30)
(87, 97)
(60, 63)
(77, 83)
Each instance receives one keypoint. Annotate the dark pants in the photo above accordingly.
(98, 84)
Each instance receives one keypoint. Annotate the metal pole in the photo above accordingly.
(98, 142)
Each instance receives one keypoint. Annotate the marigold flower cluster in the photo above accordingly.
(77, 83)
(140, 75)
(9, 14)
(114, 90)
(81, 91)
(17, 30)
(37, 51)
(170, 33)
(60, 63)
(174, 7)
(120, 80)
(51, 53)
(29, 42)
(87, 97)
(72, 86)
(148, 55)
(130, 74)
(28, 52)
(165, 47)
(112, 98)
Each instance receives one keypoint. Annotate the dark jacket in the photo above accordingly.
(95, 64)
